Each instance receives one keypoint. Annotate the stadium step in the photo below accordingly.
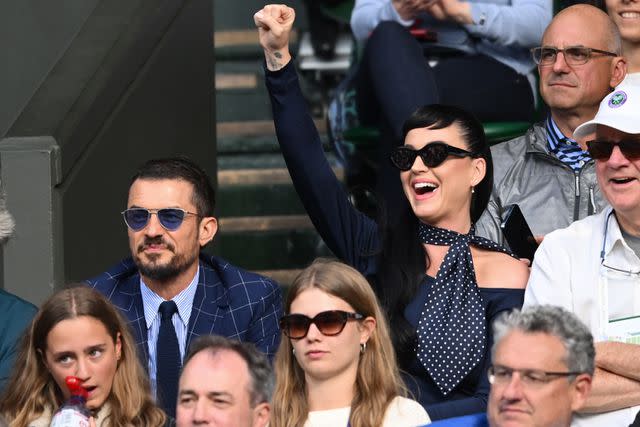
(263, 226)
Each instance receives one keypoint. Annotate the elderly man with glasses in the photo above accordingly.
(546, 172)
(170, 291)
(593, 267)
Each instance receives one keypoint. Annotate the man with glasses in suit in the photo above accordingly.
(546, 171)
(543, 363)
(171, 292)
(593, 266)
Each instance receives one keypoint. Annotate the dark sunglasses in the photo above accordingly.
(432, 155)
(601, 150)
(573, 55)
(170, 218)
(330, 323)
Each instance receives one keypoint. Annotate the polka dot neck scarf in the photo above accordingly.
(452, 332)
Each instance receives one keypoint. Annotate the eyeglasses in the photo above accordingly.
(170, 218)
(601, 149)
(603, 264)
(501, 375)
(330, 323)
(573, 55)
(624, 271)
(432, 155)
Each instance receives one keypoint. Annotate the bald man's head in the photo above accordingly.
(594, 20)
(575, 88)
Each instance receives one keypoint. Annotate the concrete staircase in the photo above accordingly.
(263, 226)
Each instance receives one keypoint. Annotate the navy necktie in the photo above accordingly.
(452, 328)
(168, 360)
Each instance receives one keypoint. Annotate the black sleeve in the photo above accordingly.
(350, 234)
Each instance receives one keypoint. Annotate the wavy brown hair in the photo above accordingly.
(377, 380)
(32, 391)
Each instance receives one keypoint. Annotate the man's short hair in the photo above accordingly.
(182, 168)
(260, 372)
(556, 321)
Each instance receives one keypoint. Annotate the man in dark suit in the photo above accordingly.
(168, 290)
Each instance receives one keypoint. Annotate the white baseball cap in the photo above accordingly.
(619, 110)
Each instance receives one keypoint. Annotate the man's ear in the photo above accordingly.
(582, 387)
(208, 229)
(261, 415)
(618, 71)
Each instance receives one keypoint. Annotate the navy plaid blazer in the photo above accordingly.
(229, 301)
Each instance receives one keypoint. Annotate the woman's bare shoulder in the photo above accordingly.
(499, 270)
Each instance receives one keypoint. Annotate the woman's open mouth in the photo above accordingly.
(422, 188)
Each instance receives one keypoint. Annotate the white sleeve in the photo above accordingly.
(550, 279)
(367, 14)
(403, 412)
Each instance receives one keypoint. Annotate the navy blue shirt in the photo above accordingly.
(353, 237)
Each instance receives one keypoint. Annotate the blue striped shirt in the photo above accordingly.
(151, 303)
(565, 149)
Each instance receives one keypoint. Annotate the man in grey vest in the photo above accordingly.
(547, 173)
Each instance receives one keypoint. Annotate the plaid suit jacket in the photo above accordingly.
(229, 301)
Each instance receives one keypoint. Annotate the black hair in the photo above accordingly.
(437, 116)
(182, 168)
(402, 260)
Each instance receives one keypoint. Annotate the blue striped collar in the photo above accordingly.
(566, 149)
(555, 137)
(184, 300)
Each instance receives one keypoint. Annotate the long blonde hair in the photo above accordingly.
(31, 391)
(377, 380)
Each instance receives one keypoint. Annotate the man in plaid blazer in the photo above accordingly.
(168, 290)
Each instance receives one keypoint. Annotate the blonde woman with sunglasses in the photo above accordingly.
(335, 365)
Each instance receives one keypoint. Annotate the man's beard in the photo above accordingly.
(163, 272)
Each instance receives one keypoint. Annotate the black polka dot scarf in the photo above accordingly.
(452, 332)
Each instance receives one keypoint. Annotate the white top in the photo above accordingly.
(567, 272)
(631, 78)
(402, 412)
(45, 419)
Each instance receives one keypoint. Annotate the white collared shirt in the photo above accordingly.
(567, 271)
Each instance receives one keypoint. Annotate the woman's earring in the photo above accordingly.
(293, 351)
(363, 347)
(473, 190)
